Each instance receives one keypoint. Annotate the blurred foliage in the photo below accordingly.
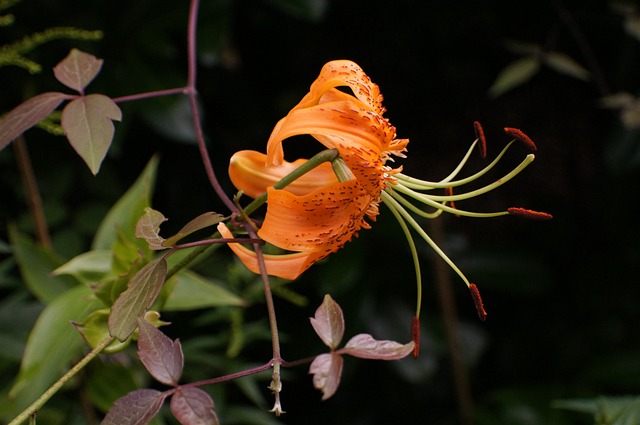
(562, 296)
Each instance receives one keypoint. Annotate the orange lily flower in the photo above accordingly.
(321, 211)
(317, 214)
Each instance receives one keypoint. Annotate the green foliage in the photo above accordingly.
(606, 410)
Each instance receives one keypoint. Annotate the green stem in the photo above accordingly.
(53, 389)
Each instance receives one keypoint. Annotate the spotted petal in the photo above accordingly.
(323, 220)
(287, 266)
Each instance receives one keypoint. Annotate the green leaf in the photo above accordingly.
(126, 212)
(36, 265)
(515, 74)
(565, 65)
(107, 383)
(28, 114)
(191, 291)
(623, 410)
(94, 329)
(88, 123)
(200, 222)
(135, 301)
(52, 344)
(148, 228)
(77, 70)
(88, 267)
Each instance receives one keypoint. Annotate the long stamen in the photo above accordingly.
(389, 200)
(444, 183)
(412, 246)
(441, 206)
(467, 195)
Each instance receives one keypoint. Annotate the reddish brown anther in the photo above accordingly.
(477, 300)
(520, 136)
(530, 214)
(480, 135)
(415, 336)
(449, 192)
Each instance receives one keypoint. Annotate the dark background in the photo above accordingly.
(561, 295)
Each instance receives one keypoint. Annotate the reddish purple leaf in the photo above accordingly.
(326, 370)
(77, 70)
(162, 357)
(136, 408)
(88, 124)
(365, 347)
(192, 406)
(134, 302)
(328, 322)
(28, 114)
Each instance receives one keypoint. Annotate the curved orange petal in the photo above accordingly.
(323, 220)
(359, 135)
(249, 173)
(344, 73)
(286, 266)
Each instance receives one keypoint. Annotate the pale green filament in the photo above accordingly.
(412, 246)
(414, 183)
(395, 205)
(393, 197)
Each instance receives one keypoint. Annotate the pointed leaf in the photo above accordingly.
(123, 216)
(365, 347)
(148, 228)
(53, 343)
(88, 267)
(36, 264)
(203, 220)
(94, 329)
(162, 357)
(326, 370)
(87, 122)
(328, 322)
(28, 114)
(77, 70)
(133, 303)
(515, 74)
(136, 408)
(566, 65)
(192, 291)
(192, 406)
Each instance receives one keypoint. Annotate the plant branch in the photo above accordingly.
(449, 317)
(53, 389)
(151, 94)
(33, 193)
(195, 110)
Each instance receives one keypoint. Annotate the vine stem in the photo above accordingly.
(53, 389)
(195, 112)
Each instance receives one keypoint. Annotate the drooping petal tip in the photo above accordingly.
(477, 300)
(530, 214)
